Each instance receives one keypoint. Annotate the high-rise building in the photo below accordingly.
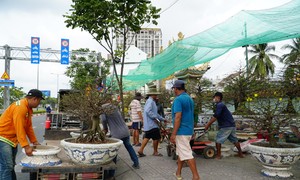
(149, 40)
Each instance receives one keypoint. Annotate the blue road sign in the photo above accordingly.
(7, 83)
(35, 50)
(46, 93)
(64, 51)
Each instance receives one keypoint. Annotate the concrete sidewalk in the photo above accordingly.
(162, 168)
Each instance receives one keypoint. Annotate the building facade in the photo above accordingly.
(149, 40)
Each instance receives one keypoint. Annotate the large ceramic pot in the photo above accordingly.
(276, 162)
(91, 154)
(42, 156)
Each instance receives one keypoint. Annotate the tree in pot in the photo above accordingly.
(87, 105)
(267, 104)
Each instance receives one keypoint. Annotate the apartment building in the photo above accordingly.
(149, 40)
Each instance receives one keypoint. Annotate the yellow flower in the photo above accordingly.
(255, 95)
(280, 99)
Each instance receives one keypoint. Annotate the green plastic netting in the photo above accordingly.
(244, 28)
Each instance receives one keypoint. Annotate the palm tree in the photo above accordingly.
(292, 72)
(293, 57)
(261, 64)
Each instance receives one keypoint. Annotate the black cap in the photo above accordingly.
(178, 84)
(219, 94)
(138, 96)
(35, 93)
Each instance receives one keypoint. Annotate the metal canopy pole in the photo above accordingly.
(246, 46)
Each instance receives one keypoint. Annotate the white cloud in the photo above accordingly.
(20, 20)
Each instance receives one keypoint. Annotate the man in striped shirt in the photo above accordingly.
(136, 118)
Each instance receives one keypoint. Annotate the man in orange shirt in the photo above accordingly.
(15, 126)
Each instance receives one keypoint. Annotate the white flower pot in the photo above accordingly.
(42, 156)
(276, 162)
(91, 154)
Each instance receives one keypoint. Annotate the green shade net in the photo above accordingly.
(244, 28)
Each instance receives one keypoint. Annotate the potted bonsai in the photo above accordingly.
(91, 147)
(267, 106)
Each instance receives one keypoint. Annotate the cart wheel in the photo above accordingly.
(174, 155)
(169, 151)
(209, 152)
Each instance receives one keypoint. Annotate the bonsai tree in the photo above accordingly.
(267, 104)
(87, 105)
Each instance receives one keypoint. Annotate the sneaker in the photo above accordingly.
(139, 144)
(132, 144)
(136, 166)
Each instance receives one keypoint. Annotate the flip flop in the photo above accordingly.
(141, 154)
(219, 158)
(177, 177)
(237, 155)
(157, 154)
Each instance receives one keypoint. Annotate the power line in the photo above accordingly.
(168, 7)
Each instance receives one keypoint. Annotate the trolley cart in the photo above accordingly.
(202, 147)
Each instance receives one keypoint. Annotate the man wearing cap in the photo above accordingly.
(183, 128)
(151, 128)
(15, 127)
(136, 118)
(226, 126)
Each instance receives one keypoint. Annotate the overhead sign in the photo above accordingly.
(46, 93)
(7, 83)
(5, 76)
(35, 50)
(64, 53)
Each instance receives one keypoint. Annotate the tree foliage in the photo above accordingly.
(85, 72)
(291, 75)
(261, 64)
(16, 93)
(268, 102)
(107, 19)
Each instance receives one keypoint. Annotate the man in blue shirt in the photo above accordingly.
(151, 128)
(226, 126)
(183, 128)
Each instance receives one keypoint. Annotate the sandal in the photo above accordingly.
(158, 154)
(141, 154)
(177, 177)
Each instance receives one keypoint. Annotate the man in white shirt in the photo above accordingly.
(136, 118)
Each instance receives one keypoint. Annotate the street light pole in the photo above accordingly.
(57, 89)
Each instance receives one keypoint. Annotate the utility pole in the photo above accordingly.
(6, 94)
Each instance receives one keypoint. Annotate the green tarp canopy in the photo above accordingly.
(244, 28)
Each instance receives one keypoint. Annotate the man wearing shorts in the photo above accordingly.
(183, 128)
(136, 118)
(151, 128)
(226, 126)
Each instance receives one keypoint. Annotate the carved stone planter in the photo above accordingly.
(91, 154)
(42, 156)
(276, 162)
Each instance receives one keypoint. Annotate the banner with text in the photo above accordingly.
(64, 51)
(35, 50)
